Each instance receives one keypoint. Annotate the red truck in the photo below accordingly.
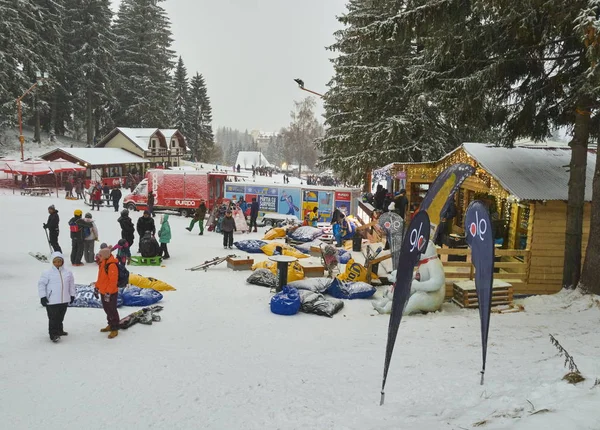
(178, 190)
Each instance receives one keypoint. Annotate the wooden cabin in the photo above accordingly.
(525, 189)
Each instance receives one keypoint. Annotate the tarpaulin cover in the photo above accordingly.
(84, 298)
(414, 244)
(305, 233)
(295, 271)
(315, 303)
(318, 285)
(274, 233)
(350, 290)
(478, 229)
(136, 296)
(250, 246)
(264, 278)
(286, 302)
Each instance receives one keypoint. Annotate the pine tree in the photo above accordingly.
(181, 116)
(91, 45)
(144, 60)
(200, 134)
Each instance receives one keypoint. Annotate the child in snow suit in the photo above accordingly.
(228, 227)
(90, 236)
(56, 289)
(107, 288)
(97, 258)
(164, 236)
(123, 252)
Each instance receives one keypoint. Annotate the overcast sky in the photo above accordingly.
(249, 52)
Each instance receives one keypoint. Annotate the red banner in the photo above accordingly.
(342, 196)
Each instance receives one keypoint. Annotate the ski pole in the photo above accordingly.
(48, 239)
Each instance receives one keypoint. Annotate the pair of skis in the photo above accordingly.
(217, 260)
(147, 315)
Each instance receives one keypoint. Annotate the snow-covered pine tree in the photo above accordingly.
(144, 60)
(200, 134)
(180, 116)
(91, 45)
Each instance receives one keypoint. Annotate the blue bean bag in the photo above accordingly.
(286, 302)
(84, 298)
(250, 246)
(305, 234)
(136, 296)
(350, 290)
(344, 256)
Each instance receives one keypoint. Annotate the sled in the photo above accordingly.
(138, 260)
(39, 257)
(217, 260)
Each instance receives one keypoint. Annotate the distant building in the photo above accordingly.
(249, 159)
(262, 138)
(163, 147)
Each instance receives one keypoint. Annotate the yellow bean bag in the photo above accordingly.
(355, 272)
(269, 249)
(143, 282)
(274, 233)
(295, 271)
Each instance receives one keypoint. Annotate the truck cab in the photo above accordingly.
(138, 199)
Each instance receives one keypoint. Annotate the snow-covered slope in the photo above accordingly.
(220, 360)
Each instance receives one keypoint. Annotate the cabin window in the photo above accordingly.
(153, 144)
(173, 143)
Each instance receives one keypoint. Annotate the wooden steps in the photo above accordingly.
(465, 295)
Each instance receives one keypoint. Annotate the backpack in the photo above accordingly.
(149, 247)
(86, 231)
(73, 227)
(123, 274)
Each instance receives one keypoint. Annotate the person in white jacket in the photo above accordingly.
(56, 288)
(89, 240)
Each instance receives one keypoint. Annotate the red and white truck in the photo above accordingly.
(178, 190)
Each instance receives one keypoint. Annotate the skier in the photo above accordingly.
(145, 223)
(107, 287)
(290, 201)
(253, 214)
(116, 195)
(90, 235)
(127, 228)
(56, 289)
(228, 227)
(199, 216)
(164, 236)
(52, 226)
(77, 226)
(151, 203)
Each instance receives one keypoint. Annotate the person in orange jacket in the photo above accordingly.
(106, 286)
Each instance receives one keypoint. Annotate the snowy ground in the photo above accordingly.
(220, 360)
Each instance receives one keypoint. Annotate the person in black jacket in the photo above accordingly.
(145, 223)
(151, 204)
(228, 227)
(116, 195)
(52, 226)
(253, 214)
(77, 226)
(127, 228)
(401, 203)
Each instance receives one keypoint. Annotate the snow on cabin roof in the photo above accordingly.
(101, 156)
(247, 159)
(139, 136)
(532, 172)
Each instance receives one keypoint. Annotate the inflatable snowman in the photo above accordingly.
(427, 290)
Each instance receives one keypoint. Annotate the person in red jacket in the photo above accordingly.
(107, 287)
(96, 197)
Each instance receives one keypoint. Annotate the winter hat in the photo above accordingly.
(52, 207)
(146, 212)
(88, 215)
(104, 245)
(77, 212)
(104, 253)
(122, 242)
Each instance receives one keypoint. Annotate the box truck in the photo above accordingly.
(178, 190)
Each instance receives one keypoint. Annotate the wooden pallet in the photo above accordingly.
(312, 270)
(137, 260)
(240, 263)
(465, 294)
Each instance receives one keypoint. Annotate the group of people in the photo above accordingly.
(113, 194)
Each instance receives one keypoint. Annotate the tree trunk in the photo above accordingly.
(590, 276)
(53, 113)
(37, 133)
(574, 231)
(89, 119)
(300, 171)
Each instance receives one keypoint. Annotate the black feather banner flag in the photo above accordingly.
(414, 244)
(478, 231)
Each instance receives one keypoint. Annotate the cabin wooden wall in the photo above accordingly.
(548, 243)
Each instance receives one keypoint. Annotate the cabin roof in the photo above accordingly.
(100, 156)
